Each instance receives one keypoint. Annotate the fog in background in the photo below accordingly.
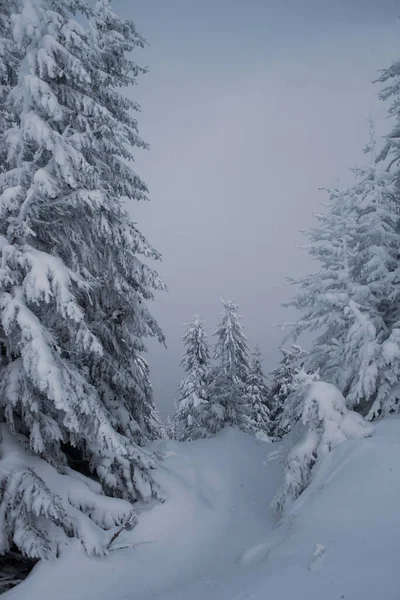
(249, 107)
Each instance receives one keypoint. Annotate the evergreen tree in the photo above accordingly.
(228, 377)
(169, 428)
(258, 414)
(231, 350)
(284, 382)
(323, 298)
(352, 301)
(387, 397)
(391, 91)
(9, 61)
(188, 419)
(373, 308)
(74, 388)
(151, 421)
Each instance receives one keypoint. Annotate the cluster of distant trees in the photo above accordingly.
(351, 373)
(226, 386)
(227, 391)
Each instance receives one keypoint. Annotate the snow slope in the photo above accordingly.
(215, 537)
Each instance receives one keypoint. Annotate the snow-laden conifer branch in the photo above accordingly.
(74, 387)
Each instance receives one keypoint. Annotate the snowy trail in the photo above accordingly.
(215, 537)
(217, 506)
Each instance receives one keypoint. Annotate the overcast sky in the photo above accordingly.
(250, 107)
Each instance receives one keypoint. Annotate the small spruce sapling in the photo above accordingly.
(322, 423)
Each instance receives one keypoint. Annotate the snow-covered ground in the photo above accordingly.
(216, 538)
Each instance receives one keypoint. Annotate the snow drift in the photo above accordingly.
(216, 538)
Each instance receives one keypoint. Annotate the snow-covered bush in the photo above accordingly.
(325, 422)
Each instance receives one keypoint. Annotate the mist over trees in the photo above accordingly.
(350, 304)
(80, 435)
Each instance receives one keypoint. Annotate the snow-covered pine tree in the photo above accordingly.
(115, 39)
(352, 301)
(169, 428)
(231, 349)
(258, 414)
(228, 377)
(190, 405)
(284, 382)
(9, 60)
(150, 421)
(387, 397)
(323, 422)
(391, 91)
(74, 388)
(324, 296)
(374, 305)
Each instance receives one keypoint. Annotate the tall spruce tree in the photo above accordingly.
(258, 413)
(74, 388)
(374, 307)
(323, 297)
(190, 405)
(228, 377)
(387, 398)
(352, 301)
(391, 92)
(9, 61)
(231, 350)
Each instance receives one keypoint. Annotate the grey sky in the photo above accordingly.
(249, 108)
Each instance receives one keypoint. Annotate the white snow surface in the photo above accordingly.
(216, 538)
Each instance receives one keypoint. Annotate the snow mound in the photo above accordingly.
(215, 537)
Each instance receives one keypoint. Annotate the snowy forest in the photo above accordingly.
(290, 471)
